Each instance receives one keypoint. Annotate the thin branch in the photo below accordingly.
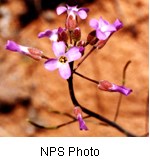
(53, 127)
(62, 113)
(120, 96)
(87, 78)
(84, 57)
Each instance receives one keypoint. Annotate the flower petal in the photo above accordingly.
(118, 24)
(51, 64)
(61, 10)
(82, 14)
(94, 23)
(46, 33)
(65, 71)
(85, 9)
(103, 22)
(12, 46)
(59, 48)
(102, 35)
(123, 90)
(82, 124)
(108, 28)
(73, 54)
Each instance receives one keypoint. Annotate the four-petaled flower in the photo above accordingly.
(72, 12)
(107, 86)
(78, 114)
(104, 29)
(63, 59)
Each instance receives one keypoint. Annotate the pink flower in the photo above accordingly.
(63, 58)
(104, 29)
(72, 12)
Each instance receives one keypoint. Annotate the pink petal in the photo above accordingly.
(82, 124)
(59, 48)
(46, 33)
(103, 22)
(82, 14)
(118, 24)
(65, 71)
(60, 10)
(108, 28)
(73, 54)
(12, 46)
(94, 23)
(102, 35)
(51, 64)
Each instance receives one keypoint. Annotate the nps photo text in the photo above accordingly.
(69, 151)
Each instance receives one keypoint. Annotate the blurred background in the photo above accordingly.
(29, 91)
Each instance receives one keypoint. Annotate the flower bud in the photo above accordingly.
(76, 34)
(91, 38)
(71, 22)
(62, 35)
(35, 53)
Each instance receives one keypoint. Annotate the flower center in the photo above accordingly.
(63, 59)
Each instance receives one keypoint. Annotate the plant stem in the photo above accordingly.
(84, 57)
(44, 57)
(87, 78)
(120, 96)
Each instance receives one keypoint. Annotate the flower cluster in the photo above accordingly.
(68, 47)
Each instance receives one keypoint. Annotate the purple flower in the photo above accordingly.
(72, 12)
(53, 35)
(63, 59)
(104, 29)
(78, 113)
(81, 12)
(29, 51)
(107, 86)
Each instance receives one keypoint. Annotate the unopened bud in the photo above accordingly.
(76, 34)
(71, 22)
(104, 85)
(34, 53)
(62, 35)
(77, 111)
(91, 38)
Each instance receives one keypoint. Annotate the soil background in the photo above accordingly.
(29, 91)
